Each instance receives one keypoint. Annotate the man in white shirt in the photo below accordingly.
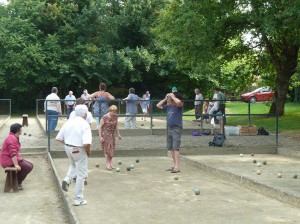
(89, 119)
(76, 134)
(70, 103)
(52, 107)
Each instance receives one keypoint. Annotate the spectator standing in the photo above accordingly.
(144, 106)
(107, 129)
(221, 99)
(148, 97)
(87, 97)
(70, 103)
(10, 154)
(100, 106)
(174, 123)
(76, 135)
(52, 107)
(132, 101)
(198, 104)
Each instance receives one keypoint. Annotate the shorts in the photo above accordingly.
(145, 110)
(174, 137)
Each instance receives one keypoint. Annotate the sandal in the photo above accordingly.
(170, 169)
(175, 171)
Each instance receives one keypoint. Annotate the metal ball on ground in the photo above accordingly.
(258, 172)
(97, 165)
(279, 175)
(295, 176)
(265, 162)
(254, 161)
(118, 169)
(137, 160)
(197, 191)
(258, 164)
(176, 177)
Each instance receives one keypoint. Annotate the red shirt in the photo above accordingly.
(10, 147)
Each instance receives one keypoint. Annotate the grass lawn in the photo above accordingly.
(237, 114)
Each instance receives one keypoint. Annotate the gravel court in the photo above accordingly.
(242, 165)
(149, 194)
(38, 203)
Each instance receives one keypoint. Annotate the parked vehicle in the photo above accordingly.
(260, 94)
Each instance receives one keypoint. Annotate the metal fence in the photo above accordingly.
(153, 125)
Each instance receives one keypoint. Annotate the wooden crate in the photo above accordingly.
(247, 130)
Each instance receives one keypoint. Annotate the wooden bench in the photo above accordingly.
(11, 183)
(25, 120)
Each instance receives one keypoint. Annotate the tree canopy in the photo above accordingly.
(148, 44)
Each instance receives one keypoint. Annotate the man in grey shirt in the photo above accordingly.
(132, 102)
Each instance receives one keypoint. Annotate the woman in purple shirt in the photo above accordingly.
(10, 154)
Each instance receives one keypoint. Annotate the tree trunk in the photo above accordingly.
(285, 67)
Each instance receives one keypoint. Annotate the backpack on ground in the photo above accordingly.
(262, 131)
(218, 140)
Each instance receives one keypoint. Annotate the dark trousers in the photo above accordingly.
(69, 110)
(222, 110)
(26, 168)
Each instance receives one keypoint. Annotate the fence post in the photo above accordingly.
(249, 111)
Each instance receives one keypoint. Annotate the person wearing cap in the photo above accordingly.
(174, 90)
(76, 135)
(173, 107)
(52, 107)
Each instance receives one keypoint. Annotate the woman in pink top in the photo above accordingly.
(10, 154)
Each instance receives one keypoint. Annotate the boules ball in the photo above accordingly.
(97, 165)
(295, 176)
(241, 155)
(265, 162)
(117, 169)
(24, 133)
(137, 160)
(176, 178)
(279, 175)
(258, 164)
(131, 166)
(254, 161)
(258, 172)
(252, 154)
(29, 135)
(197, 191)
(128, 168)
(120, 162)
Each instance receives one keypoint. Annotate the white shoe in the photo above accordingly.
(78, 203)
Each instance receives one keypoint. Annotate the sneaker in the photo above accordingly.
(21, 187)
(78, 203)
(65, 186)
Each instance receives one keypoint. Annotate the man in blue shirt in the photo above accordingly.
(174, 123)
(132, 102)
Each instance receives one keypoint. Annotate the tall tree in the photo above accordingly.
(204, 35)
